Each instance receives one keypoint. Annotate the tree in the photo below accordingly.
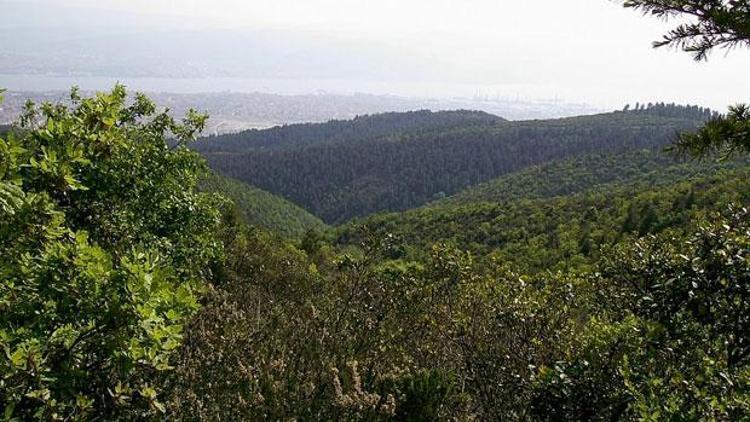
(690, 297)
(711, 24)
(106, 246)
(729, 135)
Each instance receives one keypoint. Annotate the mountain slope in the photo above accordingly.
(350, 177)
(647, 167)
(262, 209)
(560, 232)
(356, 130)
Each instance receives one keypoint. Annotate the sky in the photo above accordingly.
(590, 51)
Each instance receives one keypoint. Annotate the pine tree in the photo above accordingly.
(710, 24)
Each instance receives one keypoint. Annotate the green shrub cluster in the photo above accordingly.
(655, 330)
(106, 248)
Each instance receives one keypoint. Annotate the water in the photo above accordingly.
(280, 86)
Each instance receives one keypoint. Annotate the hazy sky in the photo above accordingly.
(580, 50)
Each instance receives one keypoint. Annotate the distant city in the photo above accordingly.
(233, 112)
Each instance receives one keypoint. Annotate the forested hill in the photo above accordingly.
(581, 173)
(358, 129)
(262, 209)
(340, 180)
(563, 232)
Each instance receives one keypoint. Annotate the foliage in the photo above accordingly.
(664, 332)
(357, 176)
(579, 293)
(727, 135)
(691, 297)
(594, 279)
(557, 233)
(583, 173)
(285, 339)
(672, 110)
(105, 248)
(656, 330)
(359, 129)
(262, 209)
(711, 23)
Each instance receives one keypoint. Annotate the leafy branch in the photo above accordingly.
(712, 23)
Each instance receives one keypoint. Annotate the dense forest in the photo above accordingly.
(560, 232)
(262, 209)
(591, 268)
(358, 129)
(404, 169)
(584, 172)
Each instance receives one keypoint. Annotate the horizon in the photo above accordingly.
(437, 50)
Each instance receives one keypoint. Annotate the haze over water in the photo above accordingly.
(577, 51)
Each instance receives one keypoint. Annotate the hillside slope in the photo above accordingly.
(358, 129)
(340, 180)
(560, 232)
(262, 209)
(650, 167)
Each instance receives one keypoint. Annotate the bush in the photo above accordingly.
(106, 247)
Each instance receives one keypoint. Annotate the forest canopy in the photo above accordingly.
(566, 269)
